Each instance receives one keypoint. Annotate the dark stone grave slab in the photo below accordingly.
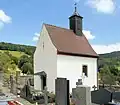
(68, 90)
(25, 92)
(62, 91)
(116, 96)
(101, 96)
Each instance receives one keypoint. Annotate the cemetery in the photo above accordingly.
(57, 51)
(81, 95)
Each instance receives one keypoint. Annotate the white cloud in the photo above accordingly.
(4, 17)
(1, 25)
(36, 37)
(100, 49)
(88, 34)
(105, 6)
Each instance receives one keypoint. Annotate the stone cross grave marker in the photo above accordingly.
(83, 77)
(79, 83)
(94, 87)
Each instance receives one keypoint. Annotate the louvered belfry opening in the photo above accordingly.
(75, 23)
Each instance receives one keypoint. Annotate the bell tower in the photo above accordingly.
(75, 22)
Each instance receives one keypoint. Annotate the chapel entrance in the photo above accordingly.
(43, 82)
(43, 79)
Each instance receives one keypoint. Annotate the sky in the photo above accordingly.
(21, 20)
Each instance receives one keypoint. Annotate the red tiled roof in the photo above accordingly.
(67, 42)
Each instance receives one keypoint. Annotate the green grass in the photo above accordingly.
(14, 53)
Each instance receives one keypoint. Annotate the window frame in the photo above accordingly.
(83, 70)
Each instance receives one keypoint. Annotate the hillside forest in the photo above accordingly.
(15, 57)
(109, 68)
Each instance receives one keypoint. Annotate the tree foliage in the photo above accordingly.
(109, 67)
(27, 68)
(23, 59)
(9, 63)
(26, 64)
(16, 47)
(106, 76)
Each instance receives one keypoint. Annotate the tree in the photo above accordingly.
(15, 59)
(23, 59)
(27, 68)
(26, 64)
(109, 79)
(106, 76)
(114, 70)
(16, 47)
(4, 58)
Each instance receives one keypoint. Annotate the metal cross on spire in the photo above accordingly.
(75, 12)
(75, 7)
(75, 4)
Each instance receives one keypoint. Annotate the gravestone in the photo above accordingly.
(62, 91)
(1, 80)
(101, 96)
(13, 85)
(81, 95)
(116, 96)
(17, 76)
(26, 92)
(18, 83)
(45, 95)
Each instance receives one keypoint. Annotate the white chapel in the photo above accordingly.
(65, 53)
